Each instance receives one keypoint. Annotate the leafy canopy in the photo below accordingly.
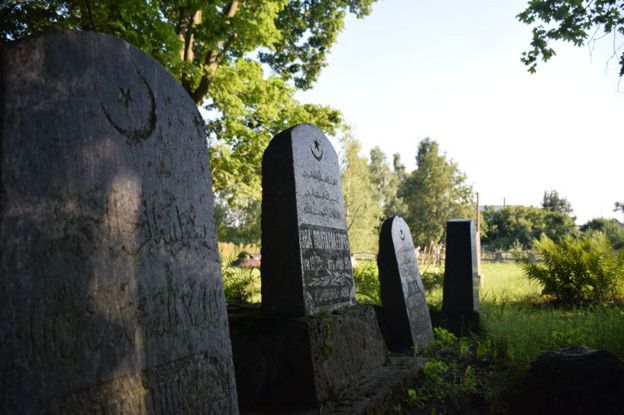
(612, 229)
(575, 21)
(555, 203)
(520, 226)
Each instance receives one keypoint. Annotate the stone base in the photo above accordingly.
(381, 390)
(313, 363)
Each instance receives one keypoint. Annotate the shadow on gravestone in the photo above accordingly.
(460, 302)
(405, 316)
(306, 260)
(111, 299)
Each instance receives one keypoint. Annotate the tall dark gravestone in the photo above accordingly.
(111, 299)
(461, 277)
(306, 260)
(402, 293)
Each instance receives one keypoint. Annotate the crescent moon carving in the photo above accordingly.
(136, 135)
(402, 234)
(315, 151)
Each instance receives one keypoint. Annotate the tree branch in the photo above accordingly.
(215, 56)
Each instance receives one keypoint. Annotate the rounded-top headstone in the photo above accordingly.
(402, 293)
(111, 299)
(306, 260)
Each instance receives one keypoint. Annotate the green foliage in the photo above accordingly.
(520, 225)
(240, 284)
(448, 382)
(386, 182)
(239, 224)
(577, 271)
(433, 193)
(366, 275)
(612, 229)
(308, 28)
(362, 207)
(253, 109)
(576, 21)
(555, 203)
(619, 207)
(432, 279)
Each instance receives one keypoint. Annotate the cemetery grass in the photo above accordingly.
(517, 325)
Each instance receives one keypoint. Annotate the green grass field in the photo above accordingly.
(516, 318)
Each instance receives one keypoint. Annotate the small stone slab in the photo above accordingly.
(461, 277)
(306, 259)
(405, 309)
(111, 298)
(573, 380)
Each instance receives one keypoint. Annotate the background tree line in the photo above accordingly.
(517, 227)
(435, 191)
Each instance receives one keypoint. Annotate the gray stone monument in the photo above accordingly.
(111, 299)
(461, 277)
(402, 293)
(306, 260)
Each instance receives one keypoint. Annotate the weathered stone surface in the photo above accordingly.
(306, 260)
(574, 380)
(111, 299)
(461, 278)
(402, 293)
(298, 363)
(380, 391)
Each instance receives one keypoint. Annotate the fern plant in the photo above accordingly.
(577, 271)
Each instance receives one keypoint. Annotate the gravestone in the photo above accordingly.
(111, 299)
(461, 278)
(306, 260)
(405, 310)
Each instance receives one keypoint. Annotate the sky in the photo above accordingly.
(450, 70)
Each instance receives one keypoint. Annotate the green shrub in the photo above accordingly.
(239, 284)
(366, 277)
(432, 280)
(577, 271)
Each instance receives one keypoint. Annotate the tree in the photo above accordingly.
(555, 203)
(361, 204)
(522, 225)
(217, 50)
(619, 206)
(575, 21)
(385, 181)
(238, 224)
(612, 228)
(434, 193)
